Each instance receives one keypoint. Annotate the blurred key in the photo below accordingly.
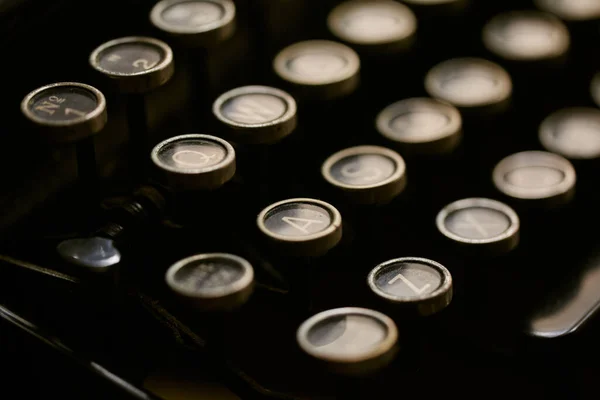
(135, 65)
(349, 341)
(421, 126)
(212, 282)
(69, 112)
(536, 177)
(573, 133)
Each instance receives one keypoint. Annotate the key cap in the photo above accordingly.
(318, 69)
(471, 84)
(480, 225)
(373, 27)
(349, 341)
(255, 114)
(366, 174)
(96, 254)
(303, 227)
(413, 285)
(536, 176)
(194, 162)
(69, 112)
(212, 282)
(199, 23)
(135, 65)
(571, 10)
(572, 132)
(421, 126)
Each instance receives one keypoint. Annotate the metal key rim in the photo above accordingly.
(444, 288)
(479, 202)
(161, 66)
(97, 113)
(334, 226)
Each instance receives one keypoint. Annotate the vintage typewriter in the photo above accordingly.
(287, 199)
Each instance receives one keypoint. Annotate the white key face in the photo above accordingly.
(527, 35)
(572, 9)
(318, 66)
(535, 177)
(363, 169)
(207, 275)
(471, 85)
(419, 125)
(477, 223)
(347, 336)
(254, 108)
(573, 132)
(193, 13)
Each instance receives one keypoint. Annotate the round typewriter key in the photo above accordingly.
(201, 23)
(421, 125)
(97, 254)
(195, 162)
(421, 285)
(595, 89)
(366, 174)
(572, 132)
(319, 69)
(383, 26)
(536, 175)
(256, 114)
(137, 64)
(301, 226)
(469, 83)
(349, 341)
(215, 282)
(526, 36)
(69, 112)
(571, 10)
(481, 223)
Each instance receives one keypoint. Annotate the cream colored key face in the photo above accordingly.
(572, 132)
(571, 10)
(349, 340)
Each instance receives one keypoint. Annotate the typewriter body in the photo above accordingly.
(295, 199)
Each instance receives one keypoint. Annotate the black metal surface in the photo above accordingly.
(481, 345)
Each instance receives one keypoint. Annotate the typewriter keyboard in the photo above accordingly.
(309, 199)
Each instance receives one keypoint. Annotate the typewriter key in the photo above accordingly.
(97, 254)
(421, 286)
(69, 112)
(470, 84)
(480, 223)
(194, 162)
(256, 114)
(595, 89)
(319, 69)
(198, 23)
(212, 282)
(421, 125)
(526, 36)
(303, 227)
(571, 10)
(572, 132)
(382, 26)
(136, 65)
(349, 341)
(536, 176)
(366, 174)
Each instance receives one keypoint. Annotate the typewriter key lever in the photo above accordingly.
(69, 112)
